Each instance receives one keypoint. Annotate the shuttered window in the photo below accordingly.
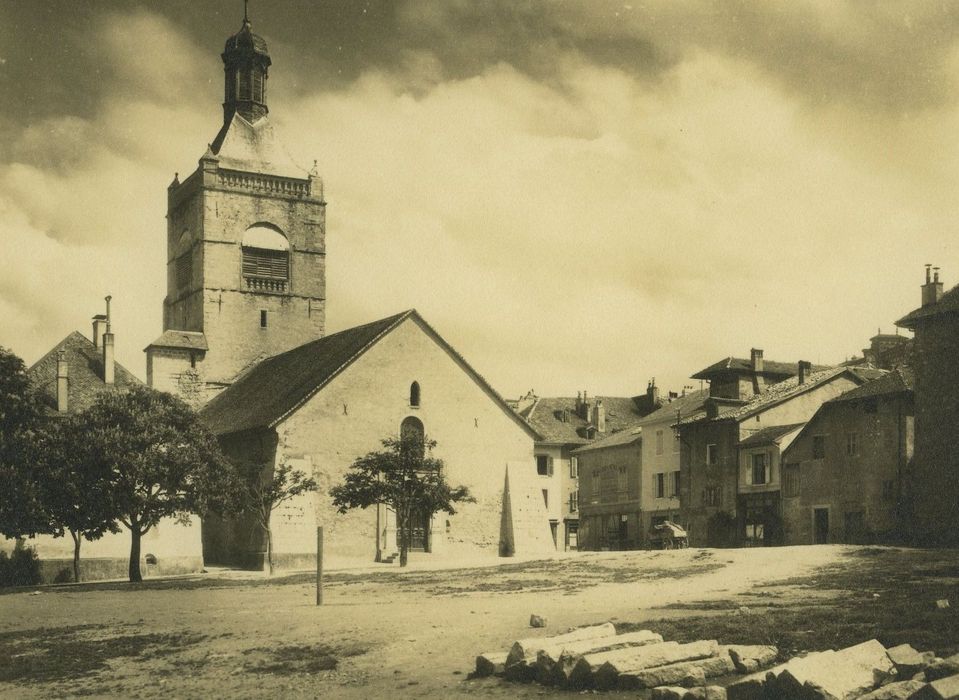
(266, 264)
(184, 271)
(257, 86)
(245, 84)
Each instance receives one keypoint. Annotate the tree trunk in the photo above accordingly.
(135, 575)
(76, 556)
(269, 548)
(401, 522)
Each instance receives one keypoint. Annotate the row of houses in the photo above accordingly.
(768, 452)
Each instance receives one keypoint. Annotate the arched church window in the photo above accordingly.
(266, 259)
(412, 433)
(415, 394)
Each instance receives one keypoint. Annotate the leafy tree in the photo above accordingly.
(404, 477)
(20, 420)
(163, 462)
(74, 487)
(262, 493)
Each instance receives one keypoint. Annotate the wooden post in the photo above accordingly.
(319, 565)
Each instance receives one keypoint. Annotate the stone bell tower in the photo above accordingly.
(246, 252)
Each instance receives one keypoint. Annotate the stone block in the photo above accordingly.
(537, 621)
(527, 649)
(491, 664)
(900, 690)
(613, 663)
(672, 674)
(941, 689)
(848, 673)
(942, 668)
(694, 678)
(668, 693)
(907, 660)
(750, 657)
(554, 664)
(715, 692)
(698, 693)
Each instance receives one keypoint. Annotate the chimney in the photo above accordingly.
(108, 364)
(756, 359)
(99, 327)
(599, 416)
(652, 393)
(584, 412)
(805, 369)
(932, 289)
(63, 382)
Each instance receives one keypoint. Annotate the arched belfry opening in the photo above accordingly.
(266, 259)
(415, 394)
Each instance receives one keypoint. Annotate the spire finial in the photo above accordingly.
(246, 19)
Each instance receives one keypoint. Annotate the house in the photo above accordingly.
(934, 473)
(729, 483)
(845, 473)
(885, 351)
(323, 404)
(69, 378)
(566, 423)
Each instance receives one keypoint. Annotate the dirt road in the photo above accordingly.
(411, 634)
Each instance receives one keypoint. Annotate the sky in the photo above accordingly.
(578, 195)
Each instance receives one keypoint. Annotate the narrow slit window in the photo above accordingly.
(263, 319)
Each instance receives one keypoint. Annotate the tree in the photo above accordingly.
(20, 419)
(163, 462)
(74, 487)
(262, 493)
(404, 477)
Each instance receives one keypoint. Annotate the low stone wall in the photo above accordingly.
(99, 569)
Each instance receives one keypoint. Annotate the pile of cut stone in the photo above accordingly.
(597, 658)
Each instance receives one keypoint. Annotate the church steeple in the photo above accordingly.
(246, 61)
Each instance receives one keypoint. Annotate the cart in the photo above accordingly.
(668, 535)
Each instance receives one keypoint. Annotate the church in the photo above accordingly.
(244, 342)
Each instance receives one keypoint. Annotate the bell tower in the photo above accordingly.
(246, 248)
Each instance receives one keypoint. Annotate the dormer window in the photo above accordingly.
(415, 394)
(266, 259)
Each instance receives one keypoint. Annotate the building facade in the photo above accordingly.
(845, 476)
(934, 500)
(610, 489)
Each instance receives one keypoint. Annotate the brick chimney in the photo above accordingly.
(652, 393)
(805, 369)
(599, 416)
(756, 362)
(63, 382)
(99, 328)
(108, 363)
(584, 408)
(932, 289)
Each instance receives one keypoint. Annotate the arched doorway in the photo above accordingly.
(412, 430)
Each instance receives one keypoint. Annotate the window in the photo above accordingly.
(266, 259)
(412, 431)
(573, 467)
(712, 454)
(675, 440)
(712, 496)
(573, 501)
(546, 497)
(659, 485)
(818, 446)
(595, 484)
(759, 468)
(544, 465)
(675, 485)
(415, 394)
(257, 86)
(622, 481)
(245, 79)
(184, 271)
(659, 442)
(791, 480)
(852, 444)
(262, 318)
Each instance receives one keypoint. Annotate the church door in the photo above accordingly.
(420, 532)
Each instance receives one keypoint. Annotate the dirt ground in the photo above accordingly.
(382, 632)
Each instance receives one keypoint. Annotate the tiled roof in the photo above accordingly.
(623, 437)
(546, 417)
(948, 303)
(784, 390)
(740, 365)
(687, 406)
(84, 371)
(190, 340)
(278, 385)
(769, 436)
(898, 381)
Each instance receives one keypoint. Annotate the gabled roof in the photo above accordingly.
(899, 381)
(769, 436)
(948, 303)
(628, 436)
(84, 372)
(688, 406)
(786, 390)
(276, 387)
(254, 148)
(739, 365)
(547, 413)
(189, 340)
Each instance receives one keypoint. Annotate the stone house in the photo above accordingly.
(69, 378)
(845, 474)
(325, 403)
(565, 424)
(934, 498)
(730, 485)
(610, 485)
